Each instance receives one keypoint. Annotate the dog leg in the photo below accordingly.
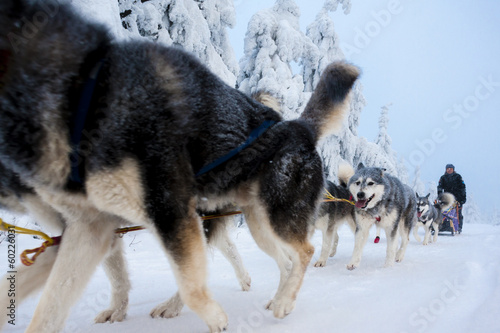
(185, 247)
(221, 240)
(83, 245)
(261, 230)
(405, 239)
(427, 236)
(360, 239)
(392, 245)
(415, 232)
(284, 300)
(436, 231)
(169, 309)
(335, 240)
(28, 279)
(328, 236)
(116, 270)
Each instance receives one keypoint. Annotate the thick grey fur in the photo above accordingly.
(394, 209)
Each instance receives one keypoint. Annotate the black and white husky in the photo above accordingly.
(108, 133)
(431, 215)
(20, 199)
(383, 200)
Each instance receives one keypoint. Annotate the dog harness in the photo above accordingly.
(254, 135)
(88, 100)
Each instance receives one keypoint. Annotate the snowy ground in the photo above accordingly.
(450, 286)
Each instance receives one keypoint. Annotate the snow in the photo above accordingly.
(448, 286)
(451, 286)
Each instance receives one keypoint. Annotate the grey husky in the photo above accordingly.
(431, 215)
(383, 200)
(108, 133)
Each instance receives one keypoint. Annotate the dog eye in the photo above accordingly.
(358, 182)
(370, 183)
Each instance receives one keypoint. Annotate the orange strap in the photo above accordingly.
(27, 261)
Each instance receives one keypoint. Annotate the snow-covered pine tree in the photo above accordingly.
(471, 212)
(197, 26)
(418, 186)
(322, 33)
(220, 15)
(384, 141)
(495, 217)
(273, 42)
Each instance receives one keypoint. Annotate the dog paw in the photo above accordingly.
(352, 266)
(217, 319)
(400, 256)
(320, 263)
(425, 243)
(282, 308)
(270, 305)
(246, 282)
(111, 315)
(169, 309)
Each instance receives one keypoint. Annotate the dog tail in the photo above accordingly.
(346, 171)
(268, 100)
(445, 201)
(329, 103)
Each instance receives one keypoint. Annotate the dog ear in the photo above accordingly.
(361, 166)
(382, 171)
(417, 194)
(428, 195)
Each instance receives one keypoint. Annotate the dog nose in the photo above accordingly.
(361, 195)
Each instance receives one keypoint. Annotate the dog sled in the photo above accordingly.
(450, 221)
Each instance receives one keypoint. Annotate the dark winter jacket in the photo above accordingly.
(453, 183)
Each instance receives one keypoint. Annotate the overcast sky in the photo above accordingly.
(437, 62)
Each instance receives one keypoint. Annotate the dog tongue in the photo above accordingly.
(360, 203)
(419, 214)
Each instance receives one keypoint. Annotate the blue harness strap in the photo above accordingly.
(251, 138)
(79, 122)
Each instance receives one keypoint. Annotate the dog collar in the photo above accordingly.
(377, 218)
(254, 135)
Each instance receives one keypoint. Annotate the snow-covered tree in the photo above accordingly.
(495, 217)
(471, 212)
(197, 26)
(272, 43)
(322, 34)
(432, 189)
(418, 185)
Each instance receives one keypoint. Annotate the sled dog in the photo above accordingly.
(333, 214)
(22, 200)
(383, 200)
(106, 132)
(431, 215)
